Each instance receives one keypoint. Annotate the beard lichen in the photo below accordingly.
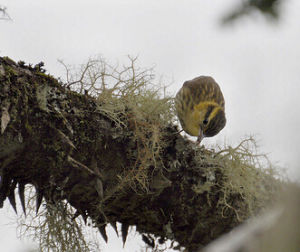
(246, 174)
(128, 96)
(54, 228)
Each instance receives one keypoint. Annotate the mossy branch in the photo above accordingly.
(111, 151)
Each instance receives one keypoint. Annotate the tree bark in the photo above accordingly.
(60, 142)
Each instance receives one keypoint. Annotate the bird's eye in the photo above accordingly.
(205, 121)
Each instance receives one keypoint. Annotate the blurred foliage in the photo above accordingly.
(3, 13)
(269, 8)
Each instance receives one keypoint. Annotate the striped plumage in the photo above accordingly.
(200, 107)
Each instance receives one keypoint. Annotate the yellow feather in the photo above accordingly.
(204, 105)
(214, 112)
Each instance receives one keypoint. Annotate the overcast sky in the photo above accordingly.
(256, 63)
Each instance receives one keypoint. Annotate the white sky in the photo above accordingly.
(255, 62)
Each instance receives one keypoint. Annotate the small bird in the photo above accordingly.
(200, 107)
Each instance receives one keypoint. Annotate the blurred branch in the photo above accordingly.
(275, 230)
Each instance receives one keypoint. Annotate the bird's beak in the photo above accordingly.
(200, 136)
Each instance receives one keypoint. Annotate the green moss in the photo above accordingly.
(44, 75)
(28, 127)
(9, 72)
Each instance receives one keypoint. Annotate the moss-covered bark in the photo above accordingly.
(61, 142)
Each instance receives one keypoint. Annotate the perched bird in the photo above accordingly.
(200, 107)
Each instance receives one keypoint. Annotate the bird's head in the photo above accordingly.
(209, 119)
(200, 107)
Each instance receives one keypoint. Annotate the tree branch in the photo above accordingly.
(140, 172)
